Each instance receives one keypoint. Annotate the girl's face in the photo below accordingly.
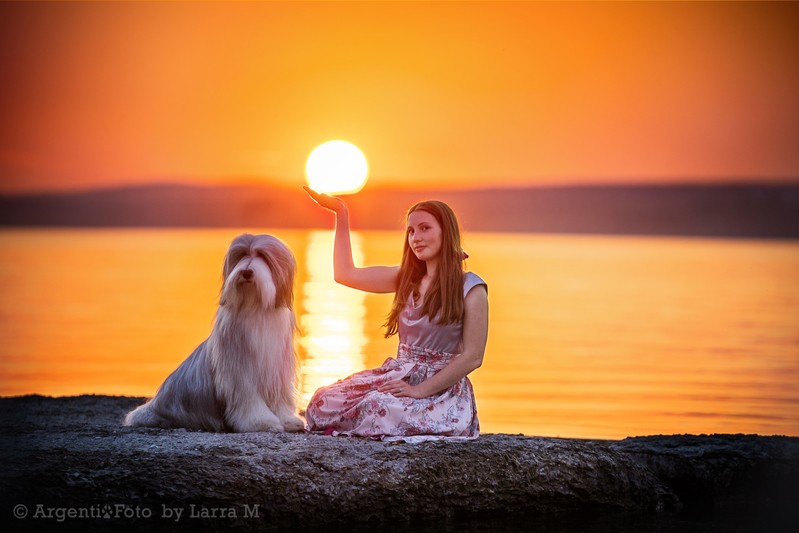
(424, 235)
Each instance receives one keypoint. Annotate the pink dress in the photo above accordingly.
(354, 406)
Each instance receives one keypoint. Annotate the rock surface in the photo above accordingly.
(68, 461)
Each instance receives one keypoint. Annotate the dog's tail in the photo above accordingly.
(142, 416)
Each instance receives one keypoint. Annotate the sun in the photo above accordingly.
(336, 167)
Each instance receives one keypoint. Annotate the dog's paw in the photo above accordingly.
(270, 426)
(293, 424)
(255, 423)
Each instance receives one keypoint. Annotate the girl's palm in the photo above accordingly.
(326, 201)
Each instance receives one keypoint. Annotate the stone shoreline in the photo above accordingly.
(69, 463)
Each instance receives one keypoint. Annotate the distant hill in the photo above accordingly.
(758, 211)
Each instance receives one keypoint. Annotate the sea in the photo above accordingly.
(596, 337)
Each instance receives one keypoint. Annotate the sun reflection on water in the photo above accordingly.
(333, 338)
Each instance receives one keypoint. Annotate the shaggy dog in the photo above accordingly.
(244, 376)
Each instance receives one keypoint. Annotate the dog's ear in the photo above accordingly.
(283, 272)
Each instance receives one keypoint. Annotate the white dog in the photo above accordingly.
(244, 376)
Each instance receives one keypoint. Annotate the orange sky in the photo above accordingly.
(435, 94)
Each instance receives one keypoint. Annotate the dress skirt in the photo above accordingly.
(353, 405)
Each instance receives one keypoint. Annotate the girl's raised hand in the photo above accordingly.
(328, 202)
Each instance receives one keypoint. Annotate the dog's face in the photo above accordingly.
(258, 269)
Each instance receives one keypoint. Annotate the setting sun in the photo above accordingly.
(336, 167)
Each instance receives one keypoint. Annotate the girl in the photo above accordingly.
(441, 316)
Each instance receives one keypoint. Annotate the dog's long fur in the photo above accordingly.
(244, 376)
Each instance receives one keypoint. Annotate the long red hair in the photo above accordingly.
(443, 301)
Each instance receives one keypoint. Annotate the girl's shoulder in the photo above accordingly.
(470, 281)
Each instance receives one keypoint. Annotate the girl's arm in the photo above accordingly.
(475, 336)
(370, 279)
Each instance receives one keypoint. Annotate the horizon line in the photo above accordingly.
(265, 183)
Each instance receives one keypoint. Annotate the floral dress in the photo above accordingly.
(354, 406)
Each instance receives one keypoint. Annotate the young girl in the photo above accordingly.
(441, 315)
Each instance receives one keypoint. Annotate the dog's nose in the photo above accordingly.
(246, 274)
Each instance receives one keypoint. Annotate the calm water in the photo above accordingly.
(600, 337)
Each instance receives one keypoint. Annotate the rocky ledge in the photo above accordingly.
(69, 462)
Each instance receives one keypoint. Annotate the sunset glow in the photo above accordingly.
(437, 94)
